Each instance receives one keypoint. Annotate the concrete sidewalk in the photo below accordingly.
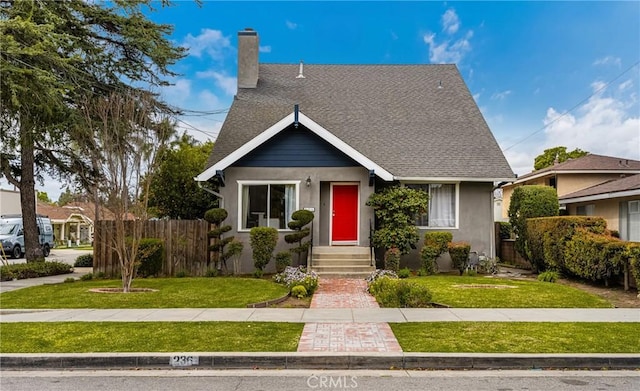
(6, 286)
(324, 315)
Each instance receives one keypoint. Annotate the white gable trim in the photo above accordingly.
(280, 126)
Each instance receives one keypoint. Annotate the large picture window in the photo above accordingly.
(267, 204)
(442, 205)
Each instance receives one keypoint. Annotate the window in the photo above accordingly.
(267, 204)
(586, 210)
(442, 205)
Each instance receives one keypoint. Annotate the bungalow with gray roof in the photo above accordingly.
(326, 137)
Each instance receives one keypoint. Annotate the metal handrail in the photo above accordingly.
(371, 248)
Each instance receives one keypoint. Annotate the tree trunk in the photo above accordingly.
(32, 250)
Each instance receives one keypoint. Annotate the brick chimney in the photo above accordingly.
(247, 58)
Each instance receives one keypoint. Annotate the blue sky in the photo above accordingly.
(526, 63)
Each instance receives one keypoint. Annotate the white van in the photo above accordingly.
(12, 235)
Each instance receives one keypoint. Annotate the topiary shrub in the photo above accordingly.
(392, 259)
(263, 242)
(528, 202)
(395, 209)
(150, 257)
(234, 251)
(283, 259)
(300, 218)
(435, 244)
(85, 260)
(459, 252)
(21, 271)
(219, 257)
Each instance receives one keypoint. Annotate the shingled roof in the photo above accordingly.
(618, 187)
(415, 121)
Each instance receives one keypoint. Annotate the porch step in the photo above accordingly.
(342, 261)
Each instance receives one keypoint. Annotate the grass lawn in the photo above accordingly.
(84, 337)
(496, 337)
(468, 292)
(222, 292)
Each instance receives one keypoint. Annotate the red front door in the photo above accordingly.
(344, 223)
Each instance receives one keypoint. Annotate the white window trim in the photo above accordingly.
(457, 198)
(264, 182)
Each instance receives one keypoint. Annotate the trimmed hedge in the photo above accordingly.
(528, 202)
(21, 271)
(85, 260)
(581, 246)
(392, 259)
(263, 242)
(394, 293)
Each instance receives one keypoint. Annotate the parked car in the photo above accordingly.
(12, 235)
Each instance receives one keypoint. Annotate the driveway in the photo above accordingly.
(61, 255)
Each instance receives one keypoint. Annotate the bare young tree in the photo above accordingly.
(128, 136)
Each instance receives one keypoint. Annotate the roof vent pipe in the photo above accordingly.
(300, 75)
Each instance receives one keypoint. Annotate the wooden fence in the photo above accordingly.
(185, 246)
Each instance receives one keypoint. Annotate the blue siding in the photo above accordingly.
(296, 148)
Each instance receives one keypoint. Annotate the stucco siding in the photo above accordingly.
(569, 183)
(608, 209)
(475, 224)
(316, 196)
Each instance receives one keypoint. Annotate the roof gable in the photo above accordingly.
(413, 121)
(283, 124)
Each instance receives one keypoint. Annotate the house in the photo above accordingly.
(9, 202)
(325, 137)
(617, 201)
(72, 223)
(574, 175)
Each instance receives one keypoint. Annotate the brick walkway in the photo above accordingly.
(346, 337)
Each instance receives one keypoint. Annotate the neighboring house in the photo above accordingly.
(72, 223)
(9, 202)
(618, 201)
(325, 137)
(573, 175)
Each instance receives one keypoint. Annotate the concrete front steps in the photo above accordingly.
(342, 261)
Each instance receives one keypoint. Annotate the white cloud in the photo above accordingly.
(450, 22)
(211, 42)
(453, 47)
(500, 95)
(625, 85)
(178, 93)
(208, 100)
(265, 49)
(227, 83)
(604, 125)
(291, 25)
(608, 60)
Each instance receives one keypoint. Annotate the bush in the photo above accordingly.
(459, 252)
(85, 260)
(293, 276)
(394, 293)
(283, 259)
(69, 280)
(528, 202)
(299, 291)
(547, 238)
(435, 244)
(21, 271)
(594, 256)
(378, 273)
(86, 277)
(258, 273)
(219, 256)
(489, 265)
(404, 273)
(211, 273)
(549, 276)
(505, 230)
(263, 242)
(150, 256)
(216, 215)
(395, 209)
(182, 274)
(392, 259)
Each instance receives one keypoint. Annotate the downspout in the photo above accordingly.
(215, 193)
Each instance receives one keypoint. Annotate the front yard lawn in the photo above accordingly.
(525, 337)
(222, 292)
(87, 337)
(488, 292)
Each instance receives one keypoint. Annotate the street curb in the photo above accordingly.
(334, 361)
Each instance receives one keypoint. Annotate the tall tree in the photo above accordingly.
(53, 54)
(44, 197)
(174, 193)
(555, 155)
